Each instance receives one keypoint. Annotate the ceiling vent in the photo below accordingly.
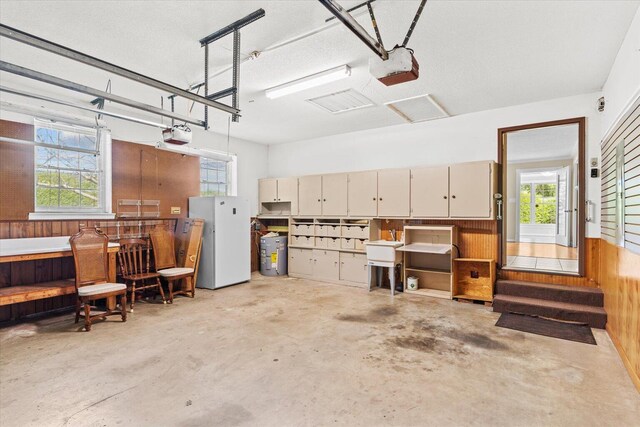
(340, 102)
(418, 109)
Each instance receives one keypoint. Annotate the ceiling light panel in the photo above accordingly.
(313, 80)
(418, 109)
(340, 102)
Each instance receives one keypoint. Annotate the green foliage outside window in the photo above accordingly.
(545, 203)
(64, 178)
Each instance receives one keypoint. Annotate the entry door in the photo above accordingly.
(564, 207)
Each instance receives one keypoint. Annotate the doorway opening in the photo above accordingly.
(543, 189)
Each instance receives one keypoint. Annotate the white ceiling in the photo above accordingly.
(473, 55)
(548, 143)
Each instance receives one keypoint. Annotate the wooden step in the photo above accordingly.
(595, 317)
(559, 293)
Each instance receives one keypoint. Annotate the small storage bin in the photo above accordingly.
(333, 230)
(321, 230)
(321, 242)
(348, 244)
(301, 241)
(355, 231)
(360, 244)
(332, 242)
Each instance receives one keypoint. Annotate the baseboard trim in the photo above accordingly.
(627, 364)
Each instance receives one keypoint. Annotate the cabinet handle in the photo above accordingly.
(374, 198)
(444, 197)
(274, 200)
(318, 199)
(453, 197)
(380, 199)
(324, 200)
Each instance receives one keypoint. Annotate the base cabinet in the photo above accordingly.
(353, 268)
(300, 261)
(326, 265)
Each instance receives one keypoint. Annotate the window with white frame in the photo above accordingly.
(70, 163)
(216, 177)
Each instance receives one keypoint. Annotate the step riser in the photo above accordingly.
(560, 295)
(593, 320)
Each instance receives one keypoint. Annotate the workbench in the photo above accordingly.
(40, 248)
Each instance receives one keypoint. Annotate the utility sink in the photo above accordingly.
(382, 251)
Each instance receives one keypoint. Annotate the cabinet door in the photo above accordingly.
(334, 195)
(353, 267)
(300, 261)
(363, 194)
(325, 265)
(288, 192)
(430, 192)
(470, 190)
(268, 190)
(394, 192)
(310, 195)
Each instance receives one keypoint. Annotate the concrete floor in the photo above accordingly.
(281, 352)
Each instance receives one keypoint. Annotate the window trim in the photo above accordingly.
(232, 169)
(104, 211)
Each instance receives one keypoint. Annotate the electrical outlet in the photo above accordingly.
(175, 210)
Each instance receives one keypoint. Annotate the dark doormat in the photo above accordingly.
(547, 327)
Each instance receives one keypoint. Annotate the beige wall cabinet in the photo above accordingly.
(300, 261)
(394, 192)
(278, 195)
(470, 190)
(334, 195)
(268, 190)
(288, 192)
(353, 267)
(326, 264)
(363, 194)
(310, 195)
(430, 192)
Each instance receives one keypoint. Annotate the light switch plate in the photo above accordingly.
(594, 162)
(175, 210)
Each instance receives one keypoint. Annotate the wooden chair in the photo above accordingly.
(134, 258)
(165, 261)
(90, 257)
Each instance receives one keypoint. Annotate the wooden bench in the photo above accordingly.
(24, 293)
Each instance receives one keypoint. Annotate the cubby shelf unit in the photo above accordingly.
(330, 249)
(428, 255)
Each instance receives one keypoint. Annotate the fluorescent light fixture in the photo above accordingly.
(313, 80)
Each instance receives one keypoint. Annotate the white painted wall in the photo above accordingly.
(623, 84)
(457, 139)
(252, 157)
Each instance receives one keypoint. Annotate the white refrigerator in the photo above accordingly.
(225, 258)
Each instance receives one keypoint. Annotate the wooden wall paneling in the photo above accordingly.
(149, 178)
(22, 229)
(125, 171)
(16, 172)
(620, 281)
(178, 179)
(5, 230)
